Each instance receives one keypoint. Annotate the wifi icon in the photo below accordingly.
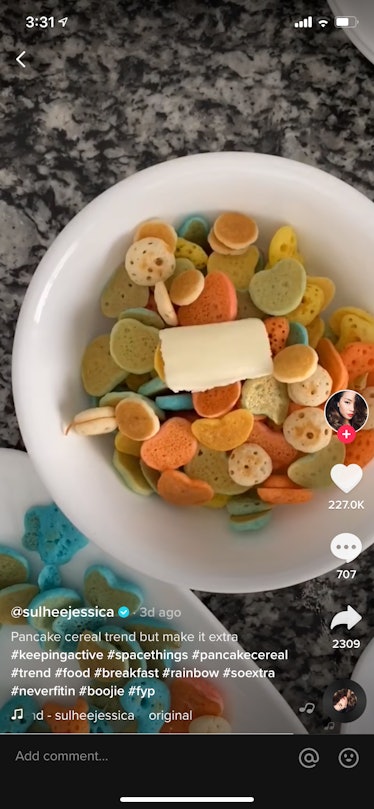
(323, 22)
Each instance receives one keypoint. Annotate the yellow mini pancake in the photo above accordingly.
(239, 268)
(235, 230)
(132, 476)
(223, 249)
(186, 287)
(100, 373)
(310, 305)
(283, 245)
(225, 433)
(157, 228)
(313, 471)
(316, 330)
(354, 328)
(132, 345)
(121, 293)
(193, 252)
(295, 363)
(212, 466)
(136, 419)
(266, 396)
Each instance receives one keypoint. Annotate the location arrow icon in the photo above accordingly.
(349, 617)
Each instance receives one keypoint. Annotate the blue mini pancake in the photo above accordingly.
(195, 229)
(17, 595)
(49, 578)
(154, 387)
(75, 625)
(57, 599)
(98, 725)
(114, 398)
(146, 316)
(55, 537)
(30, 539)
(39, 726)
(250, 522)
(125, 644)
(159, 635)
(143, 703)
(246, 503)
(105, 589)
(14, 567)
(175, 401)
(297, 335)
(260, 261)
(19, 725)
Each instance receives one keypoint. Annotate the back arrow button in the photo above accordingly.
(19, 59)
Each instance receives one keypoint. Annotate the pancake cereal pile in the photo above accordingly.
(132, 644)
(216, 365)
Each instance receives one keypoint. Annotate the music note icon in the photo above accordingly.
(330, 726)
(308, 707)
(17, 713)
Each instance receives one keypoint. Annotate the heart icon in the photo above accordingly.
(346, 477)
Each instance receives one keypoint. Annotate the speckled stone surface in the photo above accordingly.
(126, 85)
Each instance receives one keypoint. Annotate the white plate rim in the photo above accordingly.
(262, 581)
(354, 34)
(18, 465)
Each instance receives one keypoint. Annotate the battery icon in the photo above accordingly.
(346, 22)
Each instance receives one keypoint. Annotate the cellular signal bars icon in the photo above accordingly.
(307, 22)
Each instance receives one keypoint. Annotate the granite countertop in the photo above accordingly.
(124, 86)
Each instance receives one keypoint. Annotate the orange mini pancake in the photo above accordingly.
(278, 329)
(173, 446)
(279, 496)
(216, 401)
(361, 450)
(180, 490)
(216, 304)
(333, 363)
(74, 725)
(274, 442)
(279, 482)
(358, 359)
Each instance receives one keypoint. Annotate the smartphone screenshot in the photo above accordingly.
(187, 400)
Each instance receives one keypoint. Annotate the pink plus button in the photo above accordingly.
(346, 434)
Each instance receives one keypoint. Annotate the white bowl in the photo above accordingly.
(190, 547)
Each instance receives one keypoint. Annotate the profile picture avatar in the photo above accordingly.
(344, 700)
(346, 407)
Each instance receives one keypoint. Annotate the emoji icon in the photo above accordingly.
(346, 546)
(346, 477)
(348, 757)
(348, 618)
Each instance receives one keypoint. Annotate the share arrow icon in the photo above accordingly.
(349, 617)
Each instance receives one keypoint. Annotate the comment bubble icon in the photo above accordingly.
(346, 546)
